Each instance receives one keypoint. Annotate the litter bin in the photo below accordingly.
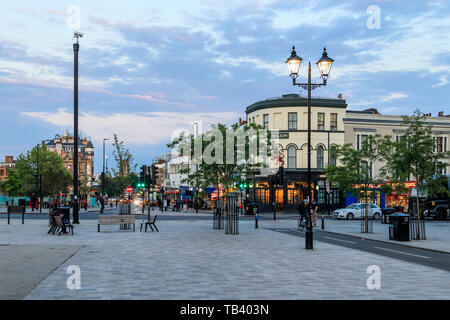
(251, 208)
(399, 226)
(385, 214)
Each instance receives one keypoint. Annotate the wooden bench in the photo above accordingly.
(116, 219)
(16, 210)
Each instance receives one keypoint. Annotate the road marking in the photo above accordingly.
(410, 254)
(340, 240)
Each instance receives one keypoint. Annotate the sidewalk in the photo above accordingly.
(437, 233)
(4, 209)
(194, 261)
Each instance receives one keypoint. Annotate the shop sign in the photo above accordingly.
(279, 135)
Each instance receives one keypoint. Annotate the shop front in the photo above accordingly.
(378, 197)
(294, 190)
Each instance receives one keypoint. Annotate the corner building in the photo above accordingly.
(331, 125)
(289, 115)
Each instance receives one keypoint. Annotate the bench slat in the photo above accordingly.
(116, 219)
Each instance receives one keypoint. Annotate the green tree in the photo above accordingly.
(124, 174)
(353, 170)
(223, 168)
(13, 186)
(223, 155)
(415, 155)
(55, 178)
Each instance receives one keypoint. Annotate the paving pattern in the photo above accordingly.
(190, 260)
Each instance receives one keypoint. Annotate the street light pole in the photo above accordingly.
(324, 64)
(103, 171)
(76, 49)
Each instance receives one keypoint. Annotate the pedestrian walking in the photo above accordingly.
(102, 204)
(33, 202)
(314, 209)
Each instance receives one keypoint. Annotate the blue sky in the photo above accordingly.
(150, 68)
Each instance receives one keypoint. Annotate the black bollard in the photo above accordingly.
(323, 222)
(309, 234)
(256, 221)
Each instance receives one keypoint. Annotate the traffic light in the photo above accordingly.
(36, 180)
(281, 175)
(148, 176)
(154, 173)
(243, 185)
(142, 173)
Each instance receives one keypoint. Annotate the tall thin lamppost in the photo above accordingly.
(324, 64)
(103, 171)
(196, 166)
(76, 49)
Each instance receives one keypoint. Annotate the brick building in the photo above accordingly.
(63, 146)
(5, 166)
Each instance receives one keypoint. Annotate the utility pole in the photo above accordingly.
(76, 49)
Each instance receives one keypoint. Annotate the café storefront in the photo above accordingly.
(295, 189)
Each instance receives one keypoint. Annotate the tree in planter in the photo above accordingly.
(224, 155)
(353, 169)
(124, 167)
(13, 187)
(55, 178)
(414, 154)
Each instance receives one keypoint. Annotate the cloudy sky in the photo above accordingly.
(150, 68)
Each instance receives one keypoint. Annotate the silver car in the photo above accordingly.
(357, 211)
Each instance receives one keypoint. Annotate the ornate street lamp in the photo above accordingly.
(324, 64)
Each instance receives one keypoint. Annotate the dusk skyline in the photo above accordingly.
(149, 68)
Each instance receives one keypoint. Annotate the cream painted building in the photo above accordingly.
(360, 124)
(331, 124)
(289, 115)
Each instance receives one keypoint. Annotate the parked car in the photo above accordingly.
(357, 211)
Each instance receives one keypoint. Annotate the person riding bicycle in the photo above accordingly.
(302, 210)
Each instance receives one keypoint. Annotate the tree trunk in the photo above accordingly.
(418, 212)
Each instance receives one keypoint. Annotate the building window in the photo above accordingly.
(366, 170)
(321, 121)
(2, 172)
(360, 139)
(292, 120)
(440, 144)
(319, 157)
(333, 122)
(332, 161)
(266, 121)
(292, 157)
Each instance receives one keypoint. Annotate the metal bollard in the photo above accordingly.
(256, 221)
(323, 222)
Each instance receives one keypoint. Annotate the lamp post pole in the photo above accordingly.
(103, 172)
(324, 65)
(76, 49)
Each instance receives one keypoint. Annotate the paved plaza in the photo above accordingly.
(188, 259)
(437, 232)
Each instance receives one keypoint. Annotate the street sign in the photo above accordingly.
(129, 189)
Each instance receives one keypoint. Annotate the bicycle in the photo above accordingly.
(301, 223)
